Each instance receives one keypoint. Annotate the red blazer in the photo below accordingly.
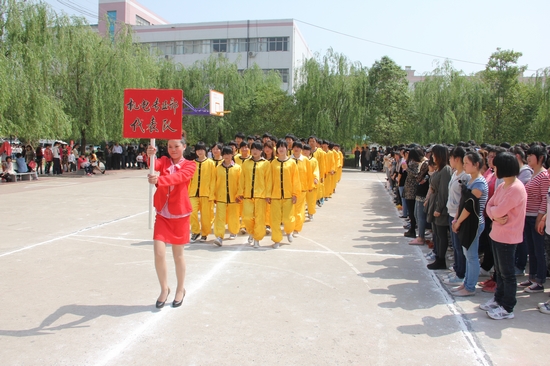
(178, 198)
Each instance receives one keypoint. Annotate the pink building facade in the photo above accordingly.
(114, 12)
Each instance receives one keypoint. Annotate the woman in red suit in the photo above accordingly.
(173, 209)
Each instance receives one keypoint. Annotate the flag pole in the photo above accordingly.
(151, 186)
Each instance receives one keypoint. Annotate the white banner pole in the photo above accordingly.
(151, 187)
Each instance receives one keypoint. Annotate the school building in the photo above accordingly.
(271, 44)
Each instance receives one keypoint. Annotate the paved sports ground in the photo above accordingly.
(78, 287)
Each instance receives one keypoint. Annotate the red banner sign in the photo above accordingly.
(153, 113)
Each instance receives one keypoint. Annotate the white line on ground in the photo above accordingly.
(341, 258)
(72, 234)
(119, 348)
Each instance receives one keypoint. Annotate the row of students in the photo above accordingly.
(255, 186)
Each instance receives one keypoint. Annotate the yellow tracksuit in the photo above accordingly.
(320, 156)
(240, 160)
(304, 169)
(223, 191)
(339, 167)
(253, 186)
(311, 196)
(330, 166)
(285, 184)
(199, 195)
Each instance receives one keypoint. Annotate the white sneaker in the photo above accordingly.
(545, 308)
(275, 245)
(232, 236)
(489, 305)
(218, 241)
(499, 313)
(295, 233)
(256, 244)
(454, 281)
(484, 273)
(542, 304)
(289, 237)
(267, 230)
(250, 239)
(310, 217)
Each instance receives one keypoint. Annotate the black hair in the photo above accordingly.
(227, 150)
(250, 137)
(18, 155)
(475, 158)
(200, 146)
(441, 154)
(538, 151)
(281, 142)
(457, 152)
(518, 150)
(232, 143)
(290, 136)
(267, 134)
(243, 144)
(507, 165)
(219, 145)
(306, 147)
(240, 135)
(416, 154)
(256, 145)
(298, 144)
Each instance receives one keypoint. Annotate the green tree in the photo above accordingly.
(504, 103)
(389, 108)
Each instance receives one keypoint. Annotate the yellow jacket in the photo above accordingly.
(341, 159)
(284, 181)
(331, 164)
(304, 171)
(240, 160)
(314, 164)
(200, 184)
(320, 155)
(255, 179)
(225, 185)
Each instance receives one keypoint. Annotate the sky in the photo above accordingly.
(419, 34)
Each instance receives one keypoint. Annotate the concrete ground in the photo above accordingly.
(78, 287)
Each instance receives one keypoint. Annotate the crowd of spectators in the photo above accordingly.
(485, 208)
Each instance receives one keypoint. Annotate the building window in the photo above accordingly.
(278, 44)
(283, 73)
(179, 48)
(219, 45)
(111, 19)
(141, 21)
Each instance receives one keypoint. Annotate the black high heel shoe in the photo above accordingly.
(160, 304)
(177, 304)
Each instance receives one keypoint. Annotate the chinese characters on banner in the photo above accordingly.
(153, 113)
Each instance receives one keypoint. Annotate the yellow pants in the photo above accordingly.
(204, 206)
(226, 212)
(300, 212)
(268, 215)
(254, 217)
(282, 210)
(338, 175)
(311, 200)
(329, 185)
(321, 189)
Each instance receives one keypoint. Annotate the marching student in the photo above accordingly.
(243, 155)
(173, 208)
(216, 151)
(319, 155)
(199, 194)
(289, 138)
(223, 192)
(304, 170)
(340, 164)
(313, 181)
(330, 169)
(253, 190)
(285, 189)
(268, 154)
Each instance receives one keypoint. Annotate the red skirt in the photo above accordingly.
(172, 231)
